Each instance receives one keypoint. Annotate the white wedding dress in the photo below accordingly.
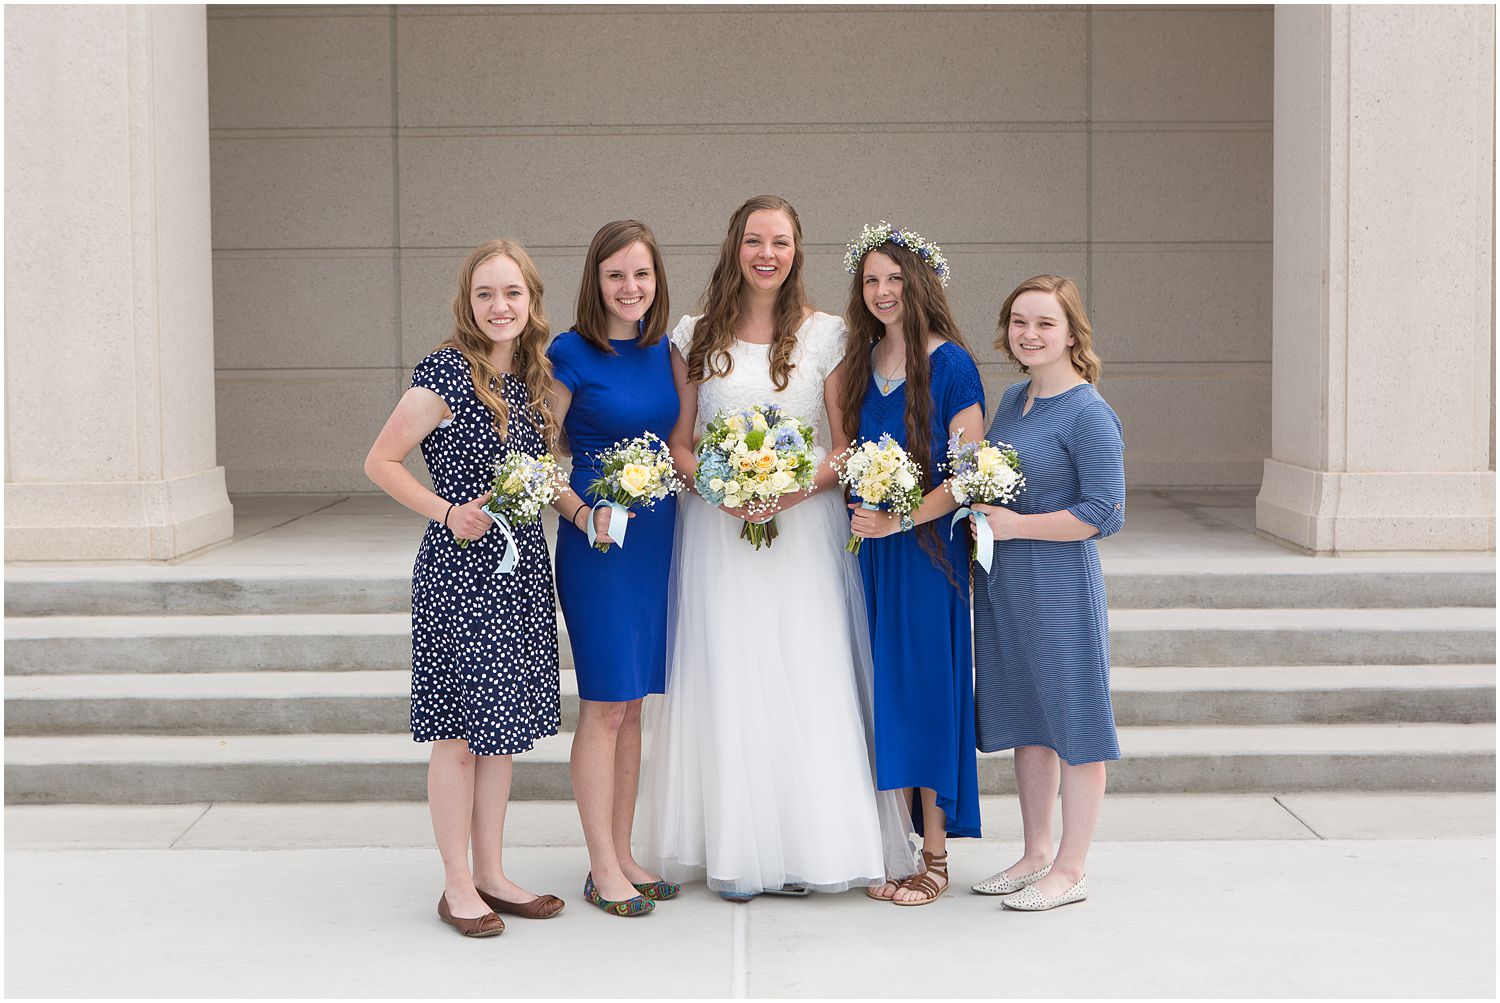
(758, 770)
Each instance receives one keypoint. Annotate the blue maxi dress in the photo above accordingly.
(1041, 626)
(919, 620)
(615, 603)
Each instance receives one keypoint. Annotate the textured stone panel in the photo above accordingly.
(1182, 304)
(295, 310)
(617, 69)
(309, 191)
(301, 431)
(300, 72)
(1200, 65)
(1182, 186)
(1026, 187)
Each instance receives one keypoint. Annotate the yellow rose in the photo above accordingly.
(742, 461)
(988, 460)
(635, 479)
(758, 421)
(737, 423)
(513, 484)
(765, 461)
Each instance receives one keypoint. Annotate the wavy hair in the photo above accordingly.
(591, 317)
(723, 302)
(530, 362)
(1081, 354)
(925, 314)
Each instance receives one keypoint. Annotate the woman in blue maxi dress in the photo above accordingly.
(903, 341)
(1041, 624)
(615, 371)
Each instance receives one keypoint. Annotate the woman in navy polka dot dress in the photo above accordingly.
(1041, 627)
(484, 645)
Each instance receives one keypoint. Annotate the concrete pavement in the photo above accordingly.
(1300, 895)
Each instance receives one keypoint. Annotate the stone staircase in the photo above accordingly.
(169, 686)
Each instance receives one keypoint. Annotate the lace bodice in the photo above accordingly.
(820, 346)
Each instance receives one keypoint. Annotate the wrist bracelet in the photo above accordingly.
(447, 514)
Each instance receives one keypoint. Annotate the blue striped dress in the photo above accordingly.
(1041, 627)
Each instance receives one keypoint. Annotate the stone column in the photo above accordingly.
(109, 354)
(1382, 312)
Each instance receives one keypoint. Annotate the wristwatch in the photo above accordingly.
(908, 524)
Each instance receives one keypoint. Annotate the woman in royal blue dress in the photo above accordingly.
(1041, 625)
(908, 372)
(614, 382)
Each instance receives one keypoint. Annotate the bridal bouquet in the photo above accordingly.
(636, 473)
(985, 472)
(523, 486)
(750, 457)
(883, 476)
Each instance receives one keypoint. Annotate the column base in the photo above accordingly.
(1329, 513)
(117, 521)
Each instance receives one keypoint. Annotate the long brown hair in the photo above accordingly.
(713, 336)
(1081, 354)
(925, 313)
(530, 362)
(591, 320)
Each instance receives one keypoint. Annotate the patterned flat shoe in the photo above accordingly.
(628, 908)
(1031, 900)
(1004, 884)
(657, 891)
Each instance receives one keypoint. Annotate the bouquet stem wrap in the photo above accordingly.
(983, 547)
(512, 556)
(618, 523)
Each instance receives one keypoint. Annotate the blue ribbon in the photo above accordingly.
(984, 546)
(618, 523)
(511, 557)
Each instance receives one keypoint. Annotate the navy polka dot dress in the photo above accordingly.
(484, 646)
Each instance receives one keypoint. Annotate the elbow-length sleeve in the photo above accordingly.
(1097, 445)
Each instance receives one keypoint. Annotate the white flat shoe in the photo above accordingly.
(1031, 900)
(1004, 884)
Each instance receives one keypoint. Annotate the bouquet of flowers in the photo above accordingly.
(883, 476)
(523, 486)
(636, 473)
(750, 457)
(986, 472)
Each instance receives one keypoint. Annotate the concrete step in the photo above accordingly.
(376, 641)
(355, 702)
(1133, 583)
(130, 769)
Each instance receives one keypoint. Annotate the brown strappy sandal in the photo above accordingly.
(922, 882)
(871, 890)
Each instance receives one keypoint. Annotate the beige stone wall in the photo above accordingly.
(358, 152)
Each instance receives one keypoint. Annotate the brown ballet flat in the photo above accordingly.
(488, 925)
(541, 907)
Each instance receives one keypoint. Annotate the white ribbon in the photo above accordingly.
(618, 523)
(984, 545)
(511, 557)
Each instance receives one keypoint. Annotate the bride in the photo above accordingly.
(759, 775)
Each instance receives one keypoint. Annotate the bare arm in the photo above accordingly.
(417, 413)
(569, 506)
(936, 503)
(680, 442)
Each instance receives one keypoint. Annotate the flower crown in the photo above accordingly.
(872, 237)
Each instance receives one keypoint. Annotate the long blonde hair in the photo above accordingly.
(1081, 354)
(723, 302)
(530, 363)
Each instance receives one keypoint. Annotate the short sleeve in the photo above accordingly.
(961, 387)
(682, 334)
(1098, 449)
(825, 343)
(563, 354)
(445, 373)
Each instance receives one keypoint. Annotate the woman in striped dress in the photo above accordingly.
(1041, 627)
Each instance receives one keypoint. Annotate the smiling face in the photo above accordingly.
(883, 285)
(627, 286)
(500, 299)
(767, 249)
(1038, 331)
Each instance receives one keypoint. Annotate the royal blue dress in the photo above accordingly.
(919, 619)
(615, 603)
(1041, 627)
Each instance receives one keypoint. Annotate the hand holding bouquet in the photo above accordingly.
(523, 486)
(883, 476)
(636, 473)
(749, 458)
(984, 472)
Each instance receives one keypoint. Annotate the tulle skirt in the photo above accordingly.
(758, 765)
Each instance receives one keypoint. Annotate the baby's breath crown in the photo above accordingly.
(872, 237)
